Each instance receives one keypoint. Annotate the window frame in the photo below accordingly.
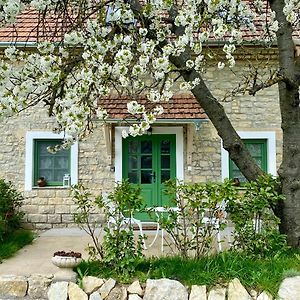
(264, 156)
(270, 136)
(31, 137)
(36, 166)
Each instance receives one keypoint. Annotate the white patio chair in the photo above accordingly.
(114, 219)
(214, 221)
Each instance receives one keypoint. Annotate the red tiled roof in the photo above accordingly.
(180, 107)
(28, 28)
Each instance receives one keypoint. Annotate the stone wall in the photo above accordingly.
(93, 288)
(52, 207)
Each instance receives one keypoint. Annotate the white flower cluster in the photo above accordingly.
(111, 52)
(291, 10)
(229, 49)
(9, 9)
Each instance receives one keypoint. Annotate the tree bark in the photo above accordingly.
(289, 170)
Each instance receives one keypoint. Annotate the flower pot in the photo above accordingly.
(66, 265)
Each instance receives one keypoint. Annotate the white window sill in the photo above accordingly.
(50, 188)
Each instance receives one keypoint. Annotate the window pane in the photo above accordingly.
(146, 146)
(165, 175)
(61, 163)
(239, 175)
(146, 176)
(255, 149)
(133, 177)
(43, 148)
(165, 146)
(146, 162)
(133, 146)
(59, 175)
(258, 161)
(165, 161)
(132, 162)
(46, 162)
(47, 174)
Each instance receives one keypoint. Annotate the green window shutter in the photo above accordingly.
(258, 150)
(51, 166)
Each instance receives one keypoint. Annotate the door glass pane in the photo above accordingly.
(165, 161)
(165, 147)
(133, 177)
(146, 176)
(132, 162)
(146, 146)
(165, 175)
(146, 162)
(133, 146)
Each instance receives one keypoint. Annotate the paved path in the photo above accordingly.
(36, 257)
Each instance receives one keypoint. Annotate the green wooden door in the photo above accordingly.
(149, 161)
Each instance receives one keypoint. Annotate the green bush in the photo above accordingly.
(10, 202)
(199, 216)
(121, 252)
(256, 226)
(118, 250)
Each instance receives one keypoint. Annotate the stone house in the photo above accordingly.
(183, 144)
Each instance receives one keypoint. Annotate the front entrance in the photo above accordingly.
(149, 161)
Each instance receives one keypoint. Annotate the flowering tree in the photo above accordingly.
(143, 47)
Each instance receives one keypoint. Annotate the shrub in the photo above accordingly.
(121, 252)
(256, 226)
(199, 215)
(10, 202)
(119, 249)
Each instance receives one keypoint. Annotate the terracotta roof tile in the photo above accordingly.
(29, 29)
(178, 108)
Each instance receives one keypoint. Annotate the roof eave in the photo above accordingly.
(160, 121)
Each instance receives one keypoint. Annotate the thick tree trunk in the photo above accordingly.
(289, 170)
(290, 177)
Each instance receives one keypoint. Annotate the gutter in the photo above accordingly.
(18, 44)
(160, 121)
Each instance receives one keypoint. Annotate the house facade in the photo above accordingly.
(183, 144)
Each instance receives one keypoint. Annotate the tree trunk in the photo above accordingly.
(290, 178)
(289, 170)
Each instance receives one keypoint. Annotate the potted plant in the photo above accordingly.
(41, 182)
(66, 261)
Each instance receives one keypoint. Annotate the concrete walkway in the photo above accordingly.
(36, 257)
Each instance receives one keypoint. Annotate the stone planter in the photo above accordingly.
(66, 265)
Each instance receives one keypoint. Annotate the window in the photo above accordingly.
(39, 162)
(262, 145)
(258, 150)
(51, 166)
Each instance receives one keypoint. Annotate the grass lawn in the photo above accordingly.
(15, 241)
(254, 273)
